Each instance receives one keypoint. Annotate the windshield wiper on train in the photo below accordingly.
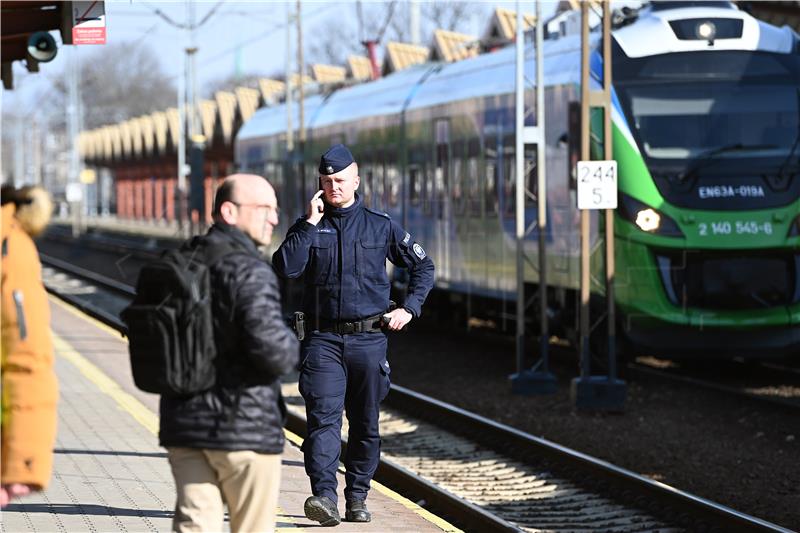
(709, 156)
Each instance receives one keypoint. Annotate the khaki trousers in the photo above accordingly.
(247, 481)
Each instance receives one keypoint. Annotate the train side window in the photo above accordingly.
(427, 190)
(472, 187)
(414, 185)
(393, 184)
(509, 183)
(491, 189)
(442, 170)
(378, 184)
(457, 193)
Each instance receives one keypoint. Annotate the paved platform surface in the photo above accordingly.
(111, 475)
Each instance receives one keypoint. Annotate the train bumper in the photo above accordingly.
(739, 313)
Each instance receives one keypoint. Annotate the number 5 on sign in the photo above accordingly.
(597, 184)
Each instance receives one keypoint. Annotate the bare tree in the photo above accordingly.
(118, 81)
(231, 82)
(453, 16)
(334, 46)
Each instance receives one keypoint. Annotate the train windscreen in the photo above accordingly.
(736, 105)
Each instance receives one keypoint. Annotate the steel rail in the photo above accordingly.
(511, 441)
(87, 275)
(643, 373)
(516, 442)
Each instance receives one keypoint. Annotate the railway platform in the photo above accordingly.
(111, 475)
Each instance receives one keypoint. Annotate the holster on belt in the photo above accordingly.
(299, 325)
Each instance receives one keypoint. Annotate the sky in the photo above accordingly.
(248, 35)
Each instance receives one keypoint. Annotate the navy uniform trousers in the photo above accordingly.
(347, 372)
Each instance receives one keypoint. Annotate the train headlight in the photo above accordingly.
(647, 218)
(706, 30)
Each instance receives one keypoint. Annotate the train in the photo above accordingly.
(705, 127)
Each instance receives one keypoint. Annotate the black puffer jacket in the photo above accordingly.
(245, 410)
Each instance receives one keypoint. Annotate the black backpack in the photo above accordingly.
(170, 325)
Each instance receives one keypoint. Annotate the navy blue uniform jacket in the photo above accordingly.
(343, 261)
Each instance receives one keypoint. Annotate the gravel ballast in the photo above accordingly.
(737, 453)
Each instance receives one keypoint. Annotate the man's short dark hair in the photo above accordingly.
(224, 194)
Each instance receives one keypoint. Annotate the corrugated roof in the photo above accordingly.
(147, 128)
(108, 145)
(208, 118)
(271, 89)
(400, 56)
(359, 67)
(296, 79)
(226, 103)
(160, 130)
(116, 141)
(502, 28)
(125, 139)
(135, 131)
(248, 101)
(328, 73)
(453, 46)
(97, 144)
(174, 122)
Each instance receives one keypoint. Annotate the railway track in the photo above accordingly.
(767, 384)
(485, 476)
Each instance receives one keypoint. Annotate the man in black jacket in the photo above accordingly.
(225, 444)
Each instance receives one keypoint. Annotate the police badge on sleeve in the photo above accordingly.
(418, 251)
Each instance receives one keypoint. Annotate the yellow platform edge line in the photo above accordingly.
(150, 421)
(126, 402)
(80, 314)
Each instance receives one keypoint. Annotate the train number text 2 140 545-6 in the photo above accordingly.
(737, 227)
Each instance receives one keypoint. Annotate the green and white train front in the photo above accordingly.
(706, 132)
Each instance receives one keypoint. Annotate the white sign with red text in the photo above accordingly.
(89, 22)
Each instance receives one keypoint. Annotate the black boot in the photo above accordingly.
(357, 511)
(323, 510)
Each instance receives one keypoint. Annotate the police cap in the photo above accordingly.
(336, 159)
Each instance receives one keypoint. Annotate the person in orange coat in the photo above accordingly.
(30, 388)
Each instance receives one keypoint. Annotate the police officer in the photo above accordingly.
(340, 248)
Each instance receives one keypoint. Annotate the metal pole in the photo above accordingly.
(519, 166)
(182, 145)
(289, 129)
(301, 67)
(584, 313)
(74, 127)
(19, 144)
(193, 119)
(609, 213)
(541, 197)
(413, 21)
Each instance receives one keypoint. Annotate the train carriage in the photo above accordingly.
(706, 122)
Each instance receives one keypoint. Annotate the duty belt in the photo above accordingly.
(366, 325)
